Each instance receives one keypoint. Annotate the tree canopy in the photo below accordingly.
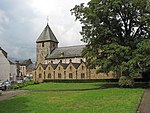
(117, 33)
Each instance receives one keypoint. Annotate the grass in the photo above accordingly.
(114, 100)
(63, 86)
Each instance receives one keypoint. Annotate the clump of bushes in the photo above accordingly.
(126, 81)
(24, 84)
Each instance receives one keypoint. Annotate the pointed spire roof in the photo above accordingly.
(47, 35)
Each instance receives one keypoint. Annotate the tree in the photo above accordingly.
(113, 31)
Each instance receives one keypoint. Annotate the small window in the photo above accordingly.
(40, 68)
(49, 75)
(40, 75)
(43, 44)
(70, 68)
(59, 68)
(82, 67)
(70, 75)
(54, 72)
(59, 75)
(49, 68)
(64, 72)
(82, 75)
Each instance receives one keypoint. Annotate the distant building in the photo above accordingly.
(53, 62)
(25, 67)
(8, 69)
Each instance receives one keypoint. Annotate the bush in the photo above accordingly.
(126, 81)
(36, 82)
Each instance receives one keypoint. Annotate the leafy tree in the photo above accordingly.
(114, 31)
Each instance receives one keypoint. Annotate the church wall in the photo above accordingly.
(66, 60)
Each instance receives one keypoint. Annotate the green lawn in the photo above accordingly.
(63, 86)
(113, 100)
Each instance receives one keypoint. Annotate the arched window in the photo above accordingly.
(82, 75)
(59, 75)
(70, 68)
(40, 75)
(43, 44)
(49, 75)
(70, 75)
(82, 67)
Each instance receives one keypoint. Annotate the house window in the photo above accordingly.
(82, 75)
(82, 68)
(70, 75)
(49, 68)
(70, 68)
(59, 68)
(40, 68)
(54, 72)
(53, 45)
(59, 75)
(49, 75)
(43, 44)
(40, 75)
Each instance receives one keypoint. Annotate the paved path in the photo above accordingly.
(8, 94)
(145, 103)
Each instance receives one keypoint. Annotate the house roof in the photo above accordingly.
(66, 52)
(44, 66)
(54, 66)
(47, 35)
(64, 65)
(76, 65)
(31, 66)
(25, 62)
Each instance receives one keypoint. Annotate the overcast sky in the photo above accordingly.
(22, 21)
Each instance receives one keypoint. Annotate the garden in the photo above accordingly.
(58, 100)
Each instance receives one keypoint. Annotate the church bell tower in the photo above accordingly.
(45, 44)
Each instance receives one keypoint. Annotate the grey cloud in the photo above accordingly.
(21, 24)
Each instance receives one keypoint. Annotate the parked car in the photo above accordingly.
(7, 84)
(20, 81)
(2, 87)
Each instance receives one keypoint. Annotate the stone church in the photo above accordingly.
(54, 62)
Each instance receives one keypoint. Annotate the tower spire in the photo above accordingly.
(47, 19)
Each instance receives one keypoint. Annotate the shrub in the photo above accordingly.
(36, 82)
(126, 81)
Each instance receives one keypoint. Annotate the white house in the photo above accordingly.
(8, 70)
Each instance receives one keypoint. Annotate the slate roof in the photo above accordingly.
(47, 35)
(76, 65)
(64, 65)
(66, 52)
(25, 62)
(44, 66)
(54, 66)
(31, 66)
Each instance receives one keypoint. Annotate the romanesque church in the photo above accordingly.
(54, 62)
